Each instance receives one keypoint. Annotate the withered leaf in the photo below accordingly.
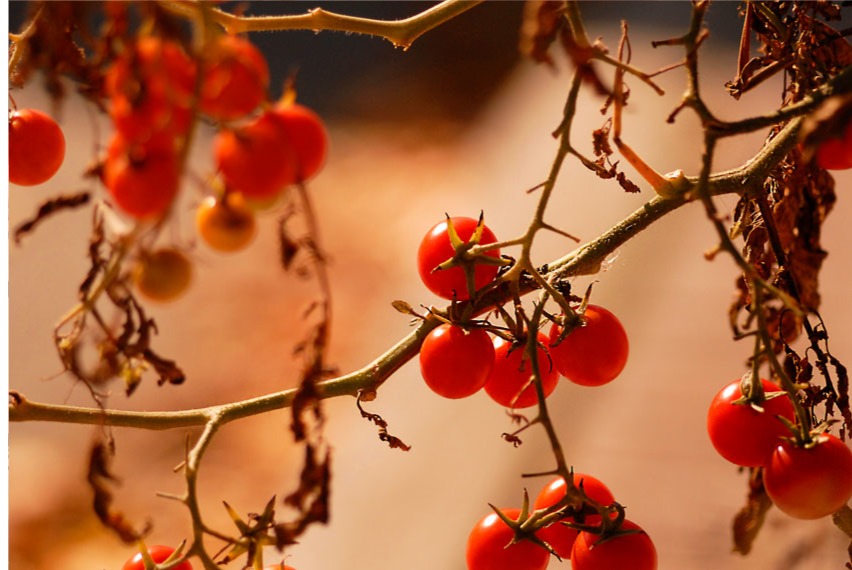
(310, 499)
(99, 478)
(749, 519)
(393, 441)
(47, 209)
(627, 184)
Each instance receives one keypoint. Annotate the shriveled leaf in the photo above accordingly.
(627, 184)
(749, 520)
(49, 208)
(541, 26)
(393, 441)
(100, 479)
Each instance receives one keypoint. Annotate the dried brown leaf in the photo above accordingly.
(47, 209)
(541, 26)
(100, 478)
(749, 519)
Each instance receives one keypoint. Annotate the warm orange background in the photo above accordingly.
(385, 183)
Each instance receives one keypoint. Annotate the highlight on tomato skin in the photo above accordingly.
(593, 354)
(435, 248)
(226, 223)
(634, 551)
(487, 546)
(36, 147)
(809, 482)
(510, 383)
(560, 537)
(456, 363)
(729, 422)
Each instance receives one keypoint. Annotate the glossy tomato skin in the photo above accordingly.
(256, 159)
(235, 80)
(456, 363)
(592, 354)
(560, 537)
(741, 434)
(512, 371)
(810, 483)
(630, 551)
(435, 248)
(36, 147)
(307, 139)
(486, 546)
(836, 153)
(158, 554)
(143, 179)
(226, 223)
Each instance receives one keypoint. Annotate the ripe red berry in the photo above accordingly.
(236, 77)
(142, 179)
(592, 354)
(488, 546)
(158, 554)
(456, 363)
(307, 138)
(435, 248)
(36, 147)
(150, 88)
(836, 153)
(635, 551)
(510, 383)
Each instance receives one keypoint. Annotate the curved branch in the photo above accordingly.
(401, 33)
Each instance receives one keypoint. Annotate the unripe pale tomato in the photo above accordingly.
(510, 383)
(743, 435)
(560, 537)
(435, 248)
(143, 179)
(225, 223)
(236, 77)
(456, 363)
(158, 554)
(809, 482)
(162, 275)
(487, 546)
(635, 551)
(592, 354)
(36, 147)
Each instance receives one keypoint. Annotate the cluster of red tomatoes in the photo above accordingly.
(457, 361)
(490, 544)
(155, 90)
(160, 554)
(806, 480)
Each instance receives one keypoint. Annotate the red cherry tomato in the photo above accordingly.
(512, 372)
(487, 546)
(158, 554)
(150, 87)
(142, 179)
(810, 483)
(592, 354)
(256, 159)
(435, 248)
(560, 537)
(635, 551)
(236, 77)
(306, 136)
(36, 147)
(456, 363)
(836, 153)
(741, 434)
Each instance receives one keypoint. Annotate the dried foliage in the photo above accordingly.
(393, 441)
(100, 480)
(49, 208)
(749, 520)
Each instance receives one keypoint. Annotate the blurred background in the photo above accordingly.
(458, 123)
